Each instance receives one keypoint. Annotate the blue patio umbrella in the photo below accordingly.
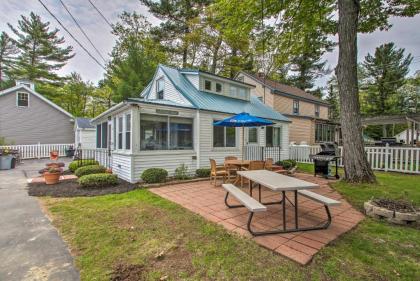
(243, 120)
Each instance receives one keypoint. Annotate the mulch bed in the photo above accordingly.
(70, 188)
(395, 205)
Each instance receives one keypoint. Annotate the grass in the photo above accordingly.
(139, 233)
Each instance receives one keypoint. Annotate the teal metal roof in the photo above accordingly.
(212, 102)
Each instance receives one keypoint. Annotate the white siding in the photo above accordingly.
(194, 79)
(170, 92)
(122, 166)
(87, 138)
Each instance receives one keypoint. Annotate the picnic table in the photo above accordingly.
(281, 183)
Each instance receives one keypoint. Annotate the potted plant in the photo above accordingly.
(70, 151)
(5, 159)
(52, 175)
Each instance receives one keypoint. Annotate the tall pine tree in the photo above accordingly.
(41, 51)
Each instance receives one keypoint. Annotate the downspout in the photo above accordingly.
(197, 142)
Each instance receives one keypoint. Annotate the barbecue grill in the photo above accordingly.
(322, 160)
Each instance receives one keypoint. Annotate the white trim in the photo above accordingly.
(16, 88)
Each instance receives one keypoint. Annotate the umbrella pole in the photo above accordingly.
(243, 142)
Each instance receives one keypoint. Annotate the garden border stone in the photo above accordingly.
(396, 217)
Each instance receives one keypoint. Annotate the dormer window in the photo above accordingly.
(316, 110)
(218, 87)
(160, 87)
(22, 99)
(207, 85)
(296, 107)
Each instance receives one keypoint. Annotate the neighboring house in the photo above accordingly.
(309, 114)
(26, 117)
(407, 133)
(84, 133)
(171, 123)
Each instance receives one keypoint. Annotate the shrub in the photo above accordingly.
(203, 172)
(287, 164)
(80, 163)
(154, 175)
(181, 173)
(90, 169)
(98, 180)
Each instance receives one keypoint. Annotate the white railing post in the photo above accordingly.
(386, 156)
(39, 150)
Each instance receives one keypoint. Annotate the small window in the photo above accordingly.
(98, 136)
(104, 135)
(207, 85)
(120, 132)
(253, 135)
(160, 88)
(316, 110)
(114, 133)
(224, 136)
(218, 87)
(23, 99)
(128, 131)
(295, 107)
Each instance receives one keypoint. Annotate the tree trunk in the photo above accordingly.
(356, 166)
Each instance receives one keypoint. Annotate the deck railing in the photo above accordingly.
(102, 155)
(38, 151)
(383, 158)
(262, 152)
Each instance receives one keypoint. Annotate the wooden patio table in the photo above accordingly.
(279, 183)
(238, 163)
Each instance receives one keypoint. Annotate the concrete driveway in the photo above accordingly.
(30, 247)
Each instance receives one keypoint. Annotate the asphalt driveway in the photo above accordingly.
(30, 247)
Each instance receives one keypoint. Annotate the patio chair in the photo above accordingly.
(217, 172)
(274, 168)
(231, 169)
(253, 165)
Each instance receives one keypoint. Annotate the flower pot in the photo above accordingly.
(51, 178)
(6, 162)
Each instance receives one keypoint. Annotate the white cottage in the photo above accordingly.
(84, 133)
(171, 123)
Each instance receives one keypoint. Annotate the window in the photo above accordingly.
(101, 135)
(252, 135)
(224, 136)
(324, 132)
(120, 132)
(165, 133)
(207, 85)
(98, 136)
(238, 92)
(218, 87)
(128, 131)
(295, 107)
(22, 99)
(273, 136)
(316, 110)
(114, 133)
(160, 87)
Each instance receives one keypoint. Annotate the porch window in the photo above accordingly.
(98, 136)
(114, 133)
(120, 132)
(273, 136)
(324, 132)
(165, 133)
(252, 135)
(102, 135)
(128, 131)
(224, 136)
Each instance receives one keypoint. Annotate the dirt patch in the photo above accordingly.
(395, 205)
(127, 272)
(70, 188)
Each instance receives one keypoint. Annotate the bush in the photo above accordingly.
(98, 180)
(73, 166)
(203, 172)
(287, 164)
(181, 173)
(90, 169)
(154, 175)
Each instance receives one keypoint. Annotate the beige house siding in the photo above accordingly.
(38, 123)
(259, 90)
(301, 130)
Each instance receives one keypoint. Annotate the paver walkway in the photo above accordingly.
(30, 247)
(205, 199)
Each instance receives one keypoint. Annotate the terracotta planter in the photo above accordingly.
(51, 178)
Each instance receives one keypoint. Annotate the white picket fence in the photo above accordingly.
(38, 151)
(383, 158)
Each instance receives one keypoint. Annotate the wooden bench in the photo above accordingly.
(327, 202)
(248, 202)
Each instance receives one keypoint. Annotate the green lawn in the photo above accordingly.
(141, 234)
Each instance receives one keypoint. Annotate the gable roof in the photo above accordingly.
(84, 123)
(19, 87)
(281, 88)
(218, 103)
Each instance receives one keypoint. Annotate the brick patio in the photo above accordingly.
(207, 200)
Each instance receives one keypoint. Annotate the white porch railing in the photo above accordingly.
(37, 151)
(383, 158)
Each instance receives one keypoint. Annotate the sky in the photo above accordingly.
(405, 31)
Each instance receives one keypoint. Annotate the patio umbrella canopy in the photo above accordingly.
(243, 120)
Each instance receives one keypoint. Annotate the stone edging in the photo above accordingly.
(391, 216)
